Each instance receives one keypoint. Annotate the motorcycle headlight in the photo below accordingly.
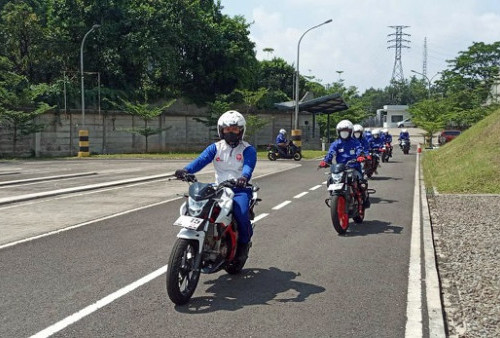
(337, 177)
(195, 207)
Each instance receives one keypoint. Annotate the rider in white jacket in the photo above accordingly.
(232, 158)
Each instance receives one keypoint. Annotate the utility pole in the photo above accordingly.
(397, 72)
(424, 66)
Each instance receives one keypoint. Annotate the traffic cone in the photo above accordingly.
(419, 148)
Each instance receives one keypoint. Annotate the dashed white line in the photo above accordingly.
(261, 216)
(301, 194)
(315, 187)
(281, 205)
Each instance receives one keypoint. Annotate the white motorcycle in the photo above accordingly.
(208, 239)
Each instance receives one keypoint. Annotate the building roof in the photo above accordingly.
(321, 105)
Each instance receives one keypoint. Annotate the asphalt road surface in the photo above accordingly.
(92, 263)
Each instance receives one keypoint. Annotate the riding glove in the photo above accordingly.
(180, 173)
(323, 164)
(241, 182)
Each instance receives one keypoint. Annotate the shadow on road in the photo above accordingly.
(371, 228)
(383, 178)
(378, 200)
(251, 287)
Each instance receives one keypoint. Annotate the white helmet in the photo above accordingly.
(282, 131)
(357, 129)
(376, 133)
(228, 119)
(343, 126)
(368, 130)
(385, 131)
(404, 130)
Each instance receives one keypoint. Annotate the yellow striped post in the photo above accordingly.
(297, 137)
(83, 143)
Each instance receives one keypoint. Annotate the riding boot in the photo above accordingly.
(242, 251)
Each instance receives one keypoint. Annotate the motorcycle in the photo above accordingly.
(386, 152)
(371, 164)
(405, 146)
(348, 196)
(208, 238)
(292, 151)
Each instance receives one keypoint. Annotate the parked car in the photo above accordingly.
(406, 123)
(448, 135)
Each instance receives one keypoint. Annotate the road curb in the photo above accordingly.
(432, 284)
(27, 197)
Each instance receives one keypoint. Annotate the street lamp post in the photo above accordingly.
(297, 77)
(429, 81)
(82, 74)
(83, 134)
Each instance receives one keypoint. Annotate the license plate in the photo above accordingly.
(189, 222)
(335, 186)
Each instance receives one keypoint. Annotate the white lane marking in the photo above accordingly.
(414, 299)
(99, 304)
(315, 187)
(29, 239)
(281, 205)
(261, 216)
(301, 194)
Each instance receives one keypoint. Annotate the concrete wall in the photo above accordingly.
(108, 135)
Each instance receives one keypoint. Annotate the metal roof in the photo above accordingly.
(322, 105)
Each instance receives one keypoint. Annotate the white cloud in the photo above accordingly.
(356, 41)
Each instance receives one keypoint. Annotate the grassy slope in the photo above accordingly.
(470, 164)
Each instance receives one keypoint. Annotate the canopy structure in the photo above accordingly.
(321, 105)
(328, 104)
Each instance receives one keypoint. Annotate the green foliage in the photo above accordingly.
(254, 124)
(146, 112)
(465, 165)
(430, 115)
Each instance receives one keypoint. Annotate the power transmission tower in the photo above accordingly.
(424, 66)
(397, 72)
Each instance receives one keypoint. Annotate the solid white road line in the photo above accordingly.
(414, 299)
(301, 194)
(84, 223)
(99, 304)
(281, 205)
(315, 187)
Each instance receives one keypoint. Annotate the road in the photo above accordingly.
(92, 263)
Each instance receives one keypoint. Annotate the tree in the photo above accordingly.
(430, 115)
(20, 103)
(146, 112)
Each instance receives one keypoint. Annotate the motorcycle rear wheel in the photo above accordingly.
(340, 219)
(182, 277)
(271, 156)
(297, 156)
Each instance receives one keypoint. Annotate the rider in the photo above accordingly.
(232, 158)
(376, 141)
(282, 143)
(403, 135)
(367, 134)
(388, 139)
(357, 134)
(346, 148)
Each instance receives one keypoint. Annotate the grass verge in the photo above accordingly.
(470, 163)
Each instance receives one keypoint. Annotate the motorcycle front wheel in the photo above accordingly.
(406, 151)
(182, 277)
(271, 156)
(340, 219)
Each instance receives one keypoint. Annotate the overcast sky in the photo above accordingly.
(355, 42)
